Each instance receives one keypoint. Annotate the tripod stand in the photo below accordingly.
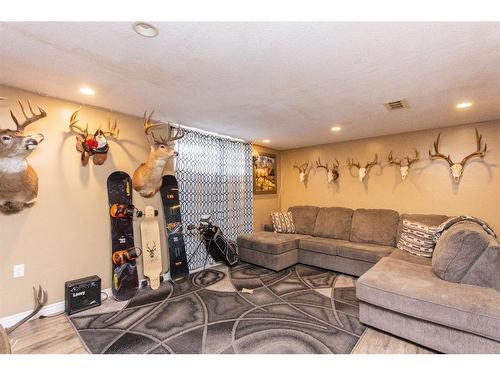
(207, 244)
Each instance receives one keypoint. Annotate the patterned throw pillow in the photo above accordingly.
(417, 238)
(282, 222)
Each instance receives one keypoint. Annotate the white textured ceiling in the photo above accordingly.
(289, 82)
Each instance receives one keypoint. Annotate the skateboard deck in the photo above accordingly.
(169, 191)
(125, 281)
(151, 247)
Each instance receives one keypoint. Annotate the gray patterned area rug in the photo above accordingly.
(298, 310)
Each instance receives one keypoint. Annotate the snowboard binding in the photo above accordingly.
(123, 256)
(122, 211)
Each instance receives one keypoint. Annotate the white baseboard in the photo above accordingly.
(53, 308)
(57, 307)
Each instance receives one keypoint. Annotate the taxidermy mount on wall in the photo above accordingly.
(18, 180)
(147, 177)
(302, 171)
(92, 146)
(362, 171)
(458, 168)
(332, 174)
(404, 168)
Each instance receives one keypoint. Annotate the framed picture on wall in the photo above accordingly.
(264, 174)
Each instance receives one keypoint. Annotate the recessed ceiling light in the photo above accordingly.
(463, 105)
(266, 141)
(145, 29)
(87, 91)
(336, 128)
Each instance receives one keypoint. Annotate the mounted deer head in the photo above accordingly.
(332, 173)
(96, 145)
(403, 167)
(147, 177)
(18, 181)
(458, 168)
(362, 171)
(302, 171)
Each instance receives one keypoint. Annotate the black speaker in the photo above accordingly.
(82, 294)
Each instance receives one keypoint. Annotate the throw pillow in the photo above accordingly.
(417, 238)
(282, 222)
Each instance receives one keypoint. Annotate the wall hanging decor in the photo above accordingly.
(362, 171)
(303, 171)
(458, 168)
(264, 174)
(332, 173)
(404, 168)
(147, 177)
(18, 180)
(92, 145)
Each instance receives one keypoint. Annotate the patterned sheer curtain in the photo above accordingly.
(215, 178)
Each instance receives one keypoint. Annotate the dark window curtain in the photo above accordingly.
(215, 178)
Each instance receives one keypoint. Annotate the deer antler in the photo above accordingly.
(393, 161)
(113, 130)
(28, 120)
(479, 152)
(72, 125)
(372, 163)
(40, 296)
(437, 154)
(350, 163)
(303, 167)
(174, 132)
(319, 165)
(409, 161)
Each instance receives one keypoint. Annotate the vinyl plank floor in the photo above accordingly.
(378, 342)
(54, 335)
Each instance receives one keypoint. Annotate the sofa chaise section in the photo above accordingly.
(408, 300)
(275, 251)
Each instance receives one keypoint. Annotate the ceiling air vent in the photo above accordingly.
(398, 104)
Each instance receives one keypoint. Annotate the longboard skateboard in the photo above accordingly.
(151, 247)
(125, 281)
(169, 191)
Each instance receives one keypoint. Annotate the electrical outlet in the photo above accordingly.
(18, 270)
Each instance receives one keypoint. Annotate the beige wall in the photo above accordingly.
(429, 187)
(66, 234)
(264, 204)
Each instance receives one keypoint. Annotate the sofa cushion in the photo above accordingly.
(333, 222)
(375, 226)
(270, 242)
(415, 290)
(417, 238)
(460, 248)
(367, 252)
(407, 257)
(304, 218)
(326, 246)
(420, 218)
(282, 222)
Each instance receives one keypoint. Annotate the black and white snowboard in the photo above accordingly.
(169, 191)
(125, 281)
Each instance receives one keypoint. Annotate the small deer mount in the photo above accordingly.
(147, 177)
(302, 171)
(94, 145)
(404, 168)
(332, 173)
(18, 180)
(362, 171)
(458, 168)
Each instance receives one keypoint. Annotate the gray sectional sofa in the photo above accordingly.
(450, 303)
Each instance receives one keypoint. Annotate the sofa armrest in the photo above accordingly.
(268, 228)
